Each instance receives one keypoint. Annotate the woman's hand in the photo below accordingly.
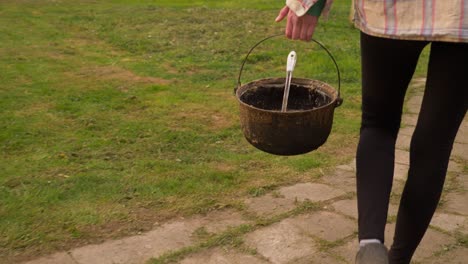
(298, 27)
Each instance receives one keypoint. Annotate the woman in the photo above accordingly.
(393, 34)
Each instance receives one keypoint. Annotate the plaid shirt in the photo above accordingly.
(300, 7)
(432, 20)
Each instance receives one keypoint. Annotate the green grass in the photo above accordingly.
(117, 114)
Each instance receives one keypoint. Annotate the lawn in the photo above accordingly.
(118, 114)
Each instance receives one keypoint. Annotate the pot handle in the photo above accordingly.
(339, 100)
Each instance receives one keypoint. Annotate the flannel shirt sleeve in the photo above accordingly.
(300, 7)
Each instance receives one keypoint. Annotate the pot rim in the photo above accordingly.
(333, 102)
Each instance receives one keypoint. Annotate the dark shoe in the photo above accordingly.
(373, 253)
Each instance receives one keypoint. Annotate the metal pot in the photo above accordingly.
(292, 132)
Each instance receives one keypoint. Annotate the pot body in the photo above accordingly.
(287, 133)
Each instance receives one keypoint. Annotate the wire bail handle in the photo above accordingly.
(339, 100)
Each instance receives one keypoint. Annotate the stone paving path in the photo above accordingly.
(304, 223)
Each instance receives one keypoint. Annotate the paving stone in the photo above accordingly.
(462, 135)
(389, 233)
(325, 225)
(456, 194)
(400, 172)
(318, 258)
(464, 124)
(397, 187)
(347, 251)
(418, 82)
(409, 119)
(415, 99)
(349, 208)
(454, 166)
(414, 104)
(314, 192)
(455, 256)
(219, 221)
(348, 167)
(432, 242)
(137, 249)
(58, 258)
(402, 162)
(170, 236)
(448, 222)
(431, 245)
(341, 179)
(392, 210)
(267, 205)
(460, 150)
(402, 156)
(281, 242)
(456, 203)
(462, 181)
(345, 167)
(222, 256)
(407, 131)
(403, 142)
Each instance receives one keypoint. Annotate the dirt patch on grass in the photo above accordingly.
(109, 73)
(224, 167)
(195, 115)
(170, 69)
(219, 121)
(34, 109)
(85, 44)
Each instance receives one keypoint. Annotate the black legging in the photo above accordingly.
(387, 68)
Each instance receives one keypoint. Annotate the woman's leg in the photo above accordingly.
(387, 68)
(443, 108)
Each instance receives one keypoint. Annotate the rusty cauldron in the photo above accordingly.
(295, 131)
